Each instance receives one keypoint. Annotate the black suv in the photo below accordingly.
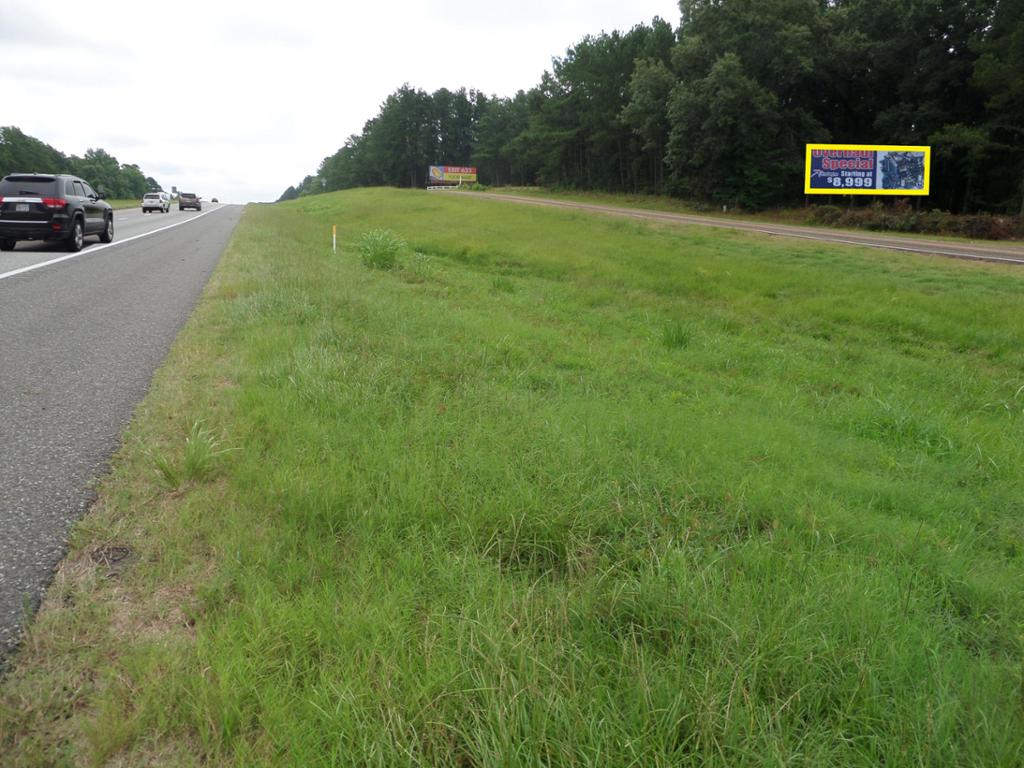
(52, 206)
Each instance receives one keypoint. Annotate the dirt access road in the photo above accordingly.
(992, 252)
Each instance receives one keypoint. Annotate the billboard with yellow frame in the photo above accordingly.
(867, 169)
(451, 174)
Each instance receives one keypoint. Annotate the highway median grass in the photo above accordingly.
(498, 485)
(120, 205)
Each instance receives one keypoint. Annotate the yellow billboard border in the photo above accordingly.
(450, 178)
(872, 148)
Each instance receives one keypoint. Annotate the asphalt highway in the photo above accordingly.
(80, 337)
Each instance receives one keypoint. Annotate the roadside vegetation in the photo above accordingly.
(716, 106)
(21, 153)
(496, 485)
(120, 205)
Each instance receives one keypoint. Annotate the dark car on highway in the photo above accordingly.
(44, 206)
(189, 200)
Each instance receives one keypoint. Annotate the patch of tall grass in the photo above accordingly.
(198, 461)
(380, 248)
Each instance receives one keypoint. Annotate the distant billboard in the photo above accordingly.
(451, 174)
(867, 169)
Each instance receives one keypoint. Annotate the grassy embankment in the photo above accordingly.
(876, 218)
(561, 490)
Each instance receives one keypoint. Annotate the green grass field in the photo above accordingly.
(557, 490)
(119, 205)
(787, 216)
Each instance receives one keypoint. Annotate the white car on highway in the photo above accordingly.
(156, 201)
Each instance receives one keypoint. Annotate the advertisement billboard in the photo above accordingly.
(867, 169)
(451, 174)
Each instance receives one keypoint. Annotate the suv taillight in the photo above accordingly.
(54, 202)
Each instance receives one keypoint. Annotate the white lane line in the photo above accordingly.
(101, 247)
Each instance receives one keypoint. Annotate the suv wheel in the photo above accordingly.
(7, 244)
(77, 237)
(108, 231)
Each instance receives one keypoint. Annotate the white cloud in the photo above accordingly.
(236, 100)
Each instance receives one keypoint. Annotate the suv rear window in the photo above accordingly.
(14, 186)
(152, 196)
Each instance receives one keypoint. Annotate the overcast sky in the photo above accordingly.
(239, 100)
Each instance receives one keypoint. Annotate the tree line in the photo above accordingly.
(22, 153)
(721, 107)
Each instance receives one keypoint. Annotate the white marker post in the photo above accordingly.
(334, 238)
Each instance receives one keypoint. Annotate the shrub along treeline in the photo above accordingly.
(720, 109)
(22, 153)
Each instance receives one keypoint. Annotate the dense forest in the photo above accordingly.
(22, 153)
(720, 108)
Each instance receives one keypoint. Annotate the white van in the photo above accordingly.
(156, 201)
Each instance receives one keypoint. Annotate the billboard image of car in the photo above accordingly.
(867, 169)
